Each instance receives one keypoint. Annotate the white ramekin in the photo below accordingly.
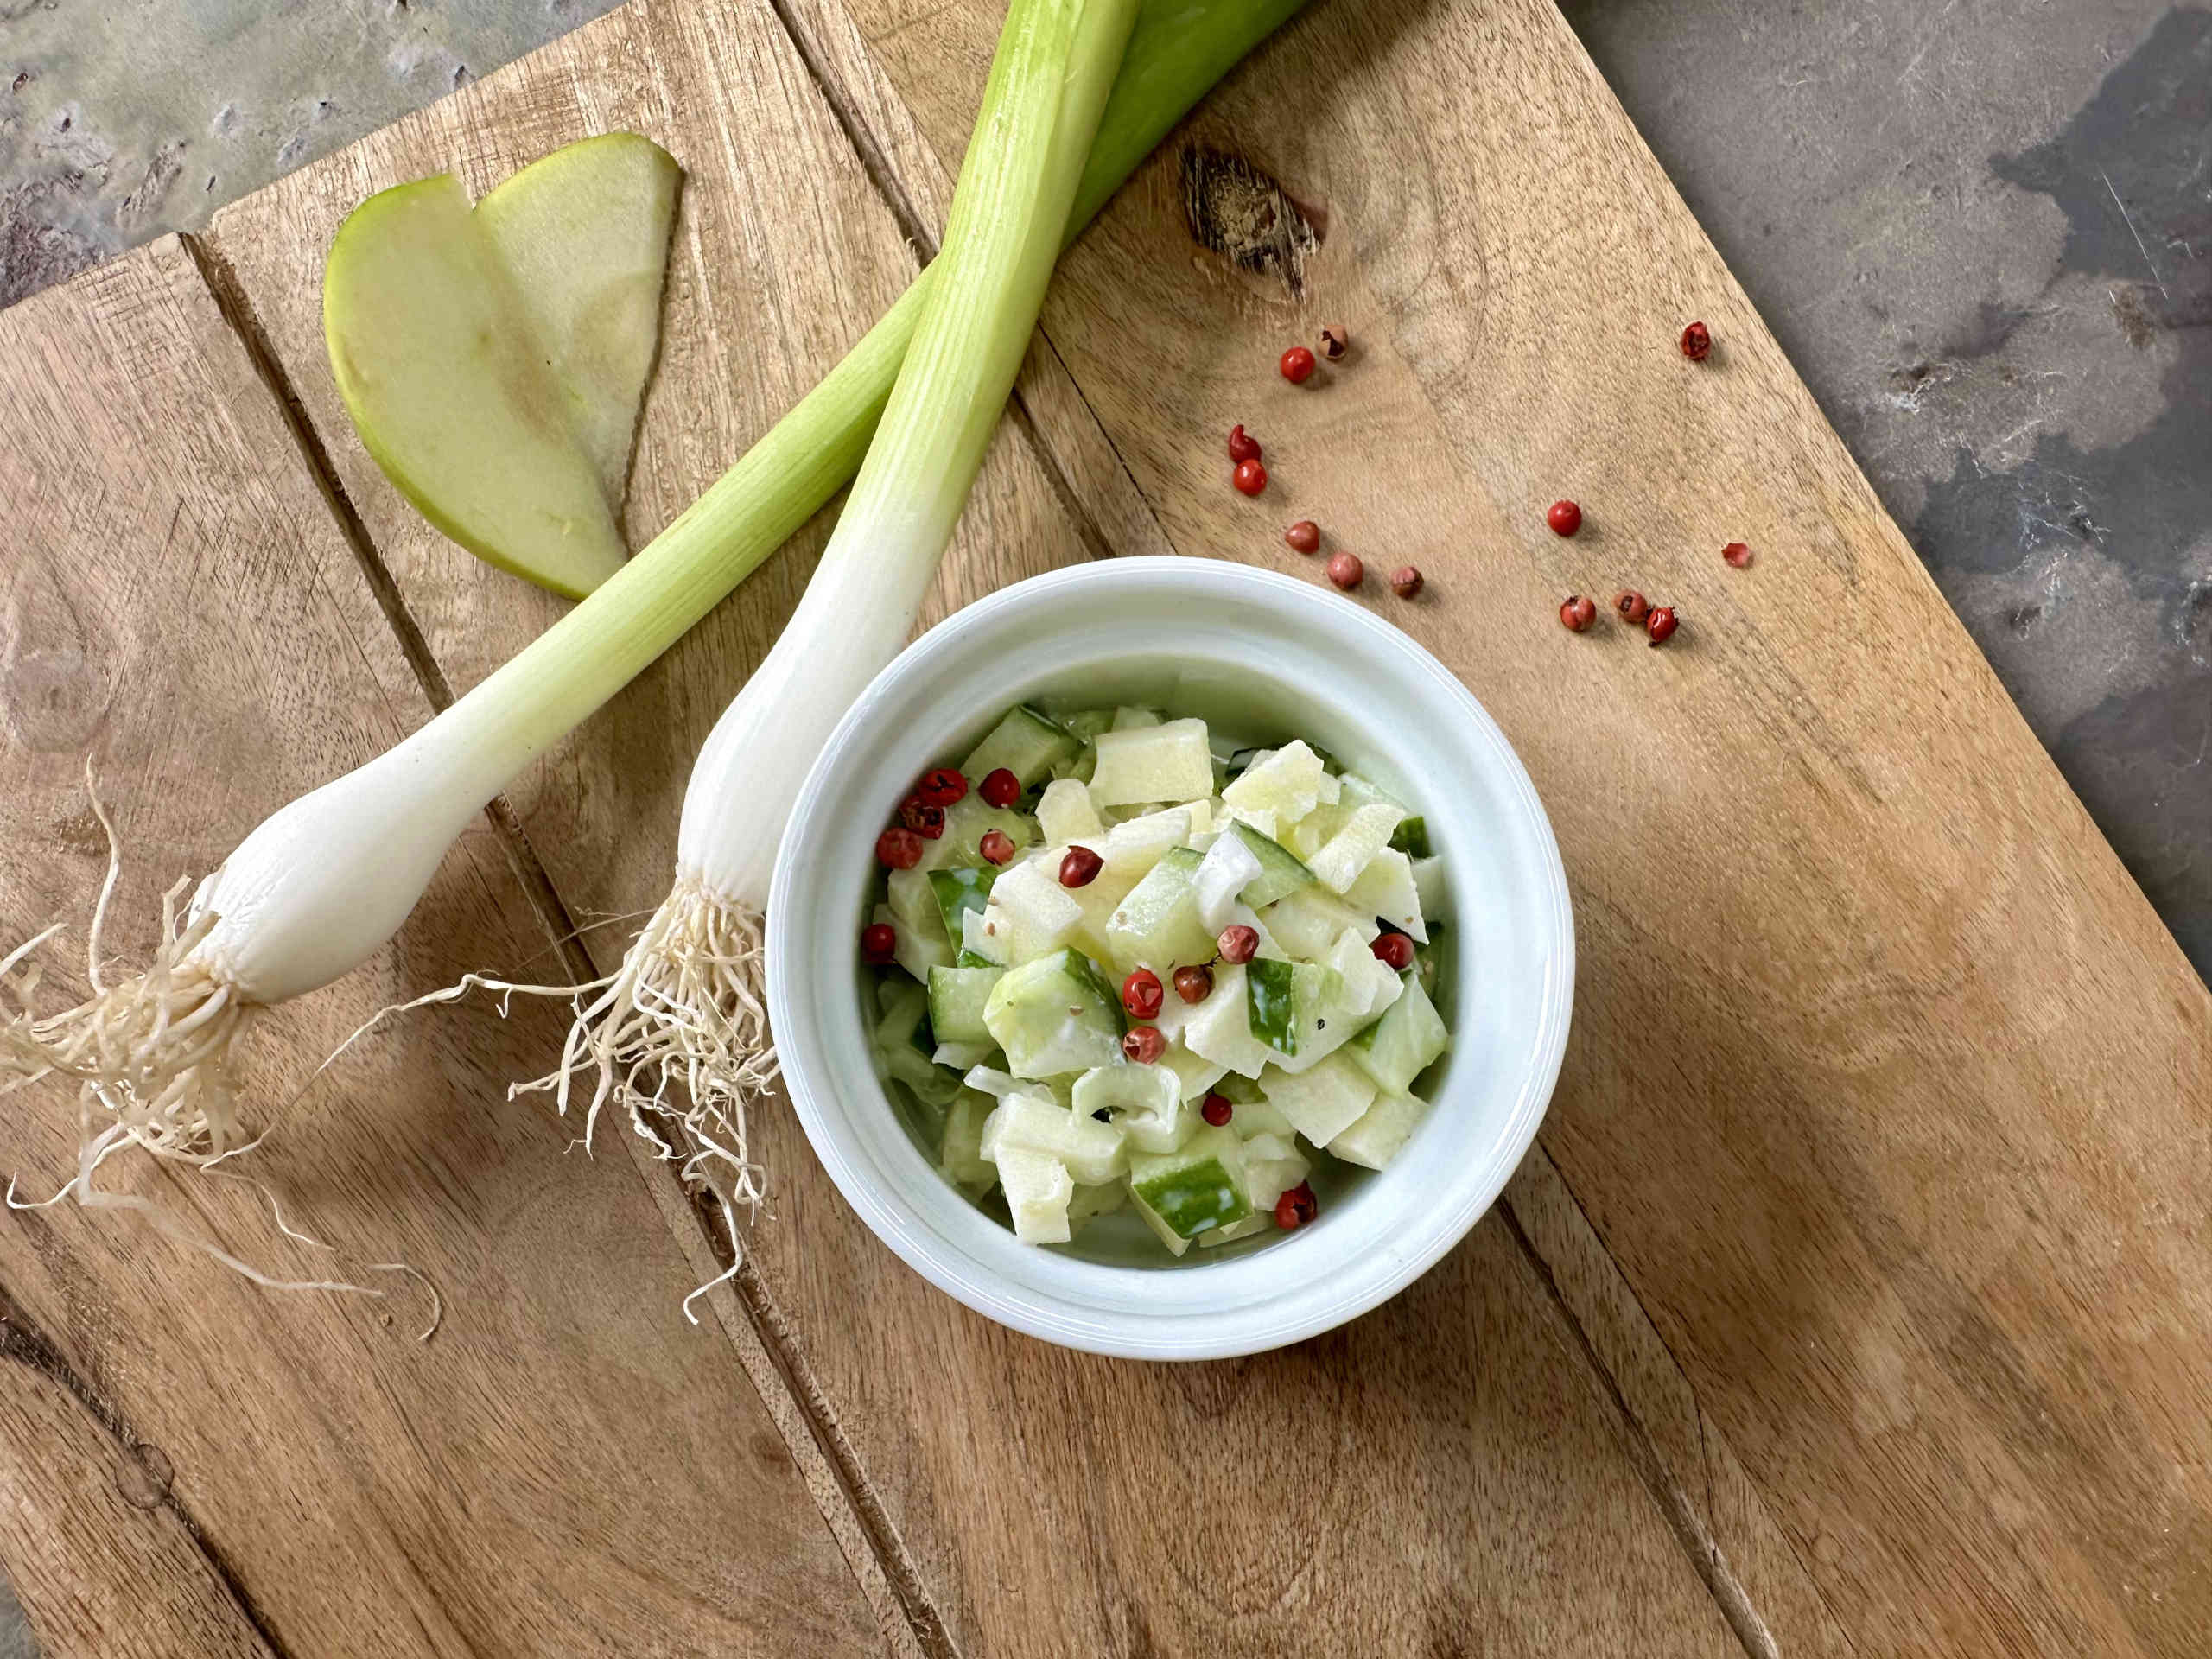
(1282, 658)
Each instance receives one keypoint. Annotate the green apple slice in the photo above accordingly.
(584, 233)
(450, 392)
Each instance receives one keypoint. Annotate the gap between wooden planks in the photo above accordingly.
(1888, 1089)
(655, 68)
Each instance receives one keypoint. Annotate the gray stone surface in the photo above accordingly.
(1982, 229)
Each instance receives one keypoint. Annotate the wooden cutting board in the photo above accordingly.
(1858, 1300)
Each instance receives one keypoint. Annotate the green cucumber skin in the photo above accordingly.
(959, 890)
(1411, 838)
(1272, 1007)
(1196, 1199)
(1281, 871)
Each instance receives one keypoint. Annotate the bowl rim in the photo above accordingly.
(895, 1220)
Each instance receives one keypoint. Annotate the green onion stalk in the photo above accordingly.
(315, 889)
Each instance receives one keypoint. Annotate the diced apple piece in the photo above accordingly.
(1168, 762)
(1040, 912)
(434, 357)
(1194, 1072)
(1273, 1165)
(1323, 1101)
(584, 233)
(1370, 984)
(1428, 882)
(1385, 888)
(1228, 864)
(1235, 1231)
(1308, 922)
(1091, 1202)
(1349, 852)
(1135, 845)
(1134, 719)
(1064, 813)
(1382, 1131)
(1038, 1192)
(1032, 1121)
(1261, 818)
(1287, 782)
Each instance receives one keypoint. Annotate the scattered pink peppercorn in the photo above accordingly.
(1660, 625)
(1576, 612)
(1737, 553)
(1216, 1109)
(1335, 342)
(1304, 536)
(1346, 571)
(900, 849)
(1697, 342)
(1249, 477)
(918, 816)
(996, 847)
(1144, 1044)
(1001, 788)
(1238, 944)
(1297, 364)
(1242, 448)
(1296, 1207)
(879, 942)
(1564, 517)
(1143, 994)
(1394, 950)
(1632, 606)
(1080, 867)
(1194, 981)
(941, 786)
(1406, 581)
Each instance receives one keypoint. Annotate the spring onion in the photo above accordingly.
(321, 885)
(686, 1005)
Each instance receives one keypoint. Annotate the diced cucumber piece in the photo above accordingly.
(1240, 1090)
(1308, 922)
(1273, 1165)
(1038, 1190)
(1381, 1132)
(1202, 818)
(957, 1000)
(960, 1154)
(1054, 1016)
(1436, 962)
(1261, 818)
(1323, 1101)
(1032, 911)
(1144, 1100)
(1196, 1189)
(1221, 1031)
(1329, 1015)
(960, 893)
(1332, 789)
(1156, 763)
(1270, 1005)
(1176, 1244)
(1404, 1043)
(1228, 867)
(1158, 924)
(1087, 723)
(1135, 845)
(1235, 1229)
(904, 1007)
(920, 942)
(1026, 743)
(1385, 888)
(930, 1084)
(1411, 838)
(961, 1057)
(967, 821)
(1365, 792)
(1339, 864)
(1033, 1120)
(1135, 719)
(1281, 873)
(1287, 782)
(1064, 813)
(980, 947)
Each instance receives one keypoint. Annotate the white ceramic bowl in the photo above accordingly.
(1270, 658)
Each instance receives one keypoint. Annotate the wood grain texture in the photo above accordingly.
(564, 1467)
(1460, 1459)
(1887, 1090)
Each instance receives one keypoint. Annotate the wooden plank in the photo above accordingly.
(1887, 1086)
(176, 601)
(959, 1428)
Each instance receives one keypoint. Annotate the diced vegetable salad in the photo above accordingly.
(1125, 965)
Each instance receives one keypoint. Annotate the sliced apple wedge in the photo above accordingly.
(584, 233)
(449, 392)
